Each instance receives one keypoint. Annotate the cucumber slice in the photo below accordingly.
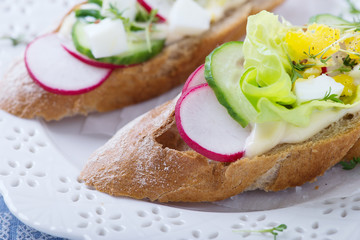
(82, 13)
(98, 2)
(223, 70)
(80, 39)
(327, 19)
(138, 50)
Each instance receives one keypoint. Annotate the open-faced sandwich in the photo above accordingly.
(112, 53)
(272, 112)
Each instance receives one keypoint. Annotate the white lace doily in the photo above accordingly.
(40, 162)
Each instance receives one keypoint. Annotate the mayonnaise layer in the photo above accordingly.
(265, 136)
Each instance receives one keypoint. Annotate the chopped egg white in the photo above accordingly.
(316, 88)
(188, 18)
(128, 7)
(107, 38)
(355, 74)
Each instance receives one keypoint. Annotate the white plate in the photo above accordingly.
(40, 162)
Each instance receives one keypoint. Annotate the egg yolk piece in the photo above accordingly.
(315, 39)
(348, 82)
(353, 45)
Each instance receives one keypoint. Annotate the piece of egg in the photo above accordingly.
(127, 7)
(107, 38)
(188, 18)
(348, 82)
(355, 74)
(316, 88)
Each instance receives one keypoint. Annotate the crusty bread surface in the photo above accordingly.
(147, 159)
(20, 96)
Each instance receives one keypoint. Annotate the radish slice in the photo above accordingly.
(196, 78)
(70, 48)
(55, 70)
(162, 6)
(206, 126)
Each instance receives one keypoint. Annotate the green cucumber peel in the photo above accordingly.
(81, 13)
(97, 2)
(327, 19)
(223, 69)
(78, 34)
(335, 21)
(259, 89)
(138, 53)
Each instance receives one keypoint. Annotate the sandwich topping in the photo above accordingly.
(283, 84)
(126, 32)
(102, 35)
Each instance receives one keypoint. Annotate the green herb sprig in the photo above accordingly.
(348, 64)
(15, 41)
(152, 18)
(323, 60)
(332, 97)
(119, 14)
(353, 8)
(350, 164)
(298, 67)
(274, 231)
(149, 19)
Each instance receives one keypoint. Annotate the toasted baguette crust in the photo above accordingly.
(20, 96)
(148, 159)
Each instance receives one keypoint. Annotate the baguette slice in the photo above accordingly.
(20, 96)
(147, 159)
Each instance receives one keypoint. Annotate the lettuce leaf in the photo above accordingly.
(266, 82)
(265, 54)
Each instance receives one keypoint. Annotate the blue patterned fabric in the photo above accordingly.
(12, 229)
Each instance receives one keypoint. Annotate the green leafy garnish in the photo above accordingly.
(119, 15)
(274, 231)
(350, 164)
(298, 67)
(332, 97)
(144, 16)
(349, 62)
(348, 65)
(323, 60)
(15, 41)
(353, 8)
(301, 66)
(295, 75)
(151, 19)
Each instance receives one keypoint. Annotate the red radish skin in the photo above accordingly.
(50, 66)
(209, 153)
(324, 70)
(196, 78)
(148, 8)
(72, 51)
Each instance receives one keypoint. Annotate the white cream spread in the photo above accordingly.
(265, 136)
